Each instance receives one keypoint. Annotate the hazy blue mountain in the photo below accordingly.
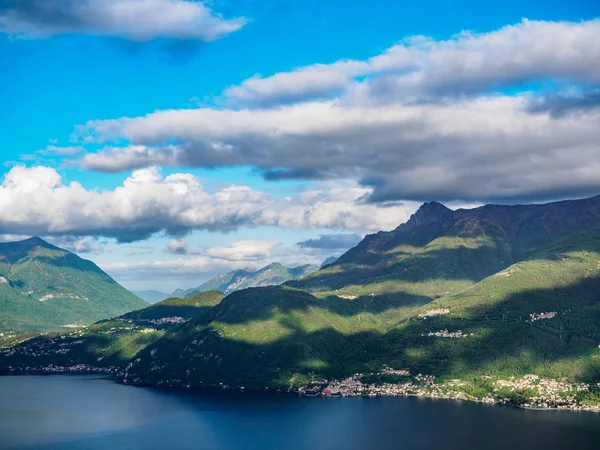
(271, 275)
(152, 296)
(328, 261)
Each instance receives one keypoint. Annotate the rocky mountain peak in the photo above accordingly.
(430, 212)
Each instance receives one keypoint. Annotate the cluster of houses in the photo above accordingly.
(169, 320)
(434, 312)
(446, 334)
(535, 392)
(541, 316)
(420, 386)
(43, 348)
(163, 320)
(387, 370)
(542, 392)
(75, 368)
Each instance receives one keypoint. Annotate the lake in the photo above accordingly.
(91, 412)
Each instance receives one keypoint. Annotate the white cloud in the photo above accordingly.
(177, 246)
(117, 159)
(197, 268)
(248, 250)
(480, 149)
(200, 265)
(63, 151)
(137, 20)
(51, 153)
(298, 84)
(423, 120)
(36, 201)
(419, 66)
(76, 244)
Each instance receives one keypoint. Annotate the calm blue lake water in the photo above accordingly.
(90, 412)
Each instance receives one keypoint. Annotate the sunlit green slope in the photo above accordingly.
(43, 287)
(279, 336)
(493, 292)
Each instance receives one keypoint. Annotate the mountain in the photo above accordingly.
(109, 344)
(43, 287)
(273, 274)
(446, 251)
(497, 291)
(152, 296)
(329, 261)
(498, 303)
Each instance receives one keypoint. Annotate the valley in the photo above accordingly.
(496, 304)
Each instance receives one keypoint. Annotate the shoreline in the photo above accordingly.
(109, 373)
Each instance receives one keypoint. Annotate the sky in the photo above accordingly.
(173, 140)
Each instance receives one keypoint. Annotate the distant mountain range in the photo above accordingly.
(497, 303)
(229, 282)
(43, 287)
(236, 280)
(152, 296)
(329, 261)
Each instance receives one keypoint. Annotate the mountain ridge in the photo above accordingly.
(471, 304)
(272, 274)
(44, 287)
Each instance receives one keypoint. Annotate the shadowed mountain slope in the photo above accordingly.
(539, 316)
(467, 244)
(110, 343)
(471, 295)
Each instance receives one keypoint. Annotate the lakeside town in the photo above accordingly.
(529, 391)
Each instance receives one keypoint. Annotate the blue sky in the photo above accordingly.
(56, 81)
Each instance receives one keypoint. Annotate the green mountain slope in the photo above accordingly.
(451, 250)
(280, 337)
(108, 345)
(271, 275)
(477, 300)
(43, 287)
(487, 270)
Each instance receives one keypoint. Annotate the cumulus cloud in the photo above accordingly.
(332, 241)
(62, 151)
(52, 152)
(136, 20)
(202, 265)
(420, 67)
(476, 149)
(302, 83)
(196, 270)
(558, 105)
(36, 201)
(118, 159)
(77, 244)
(178, 247)
(424, 120)
(248, 250)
